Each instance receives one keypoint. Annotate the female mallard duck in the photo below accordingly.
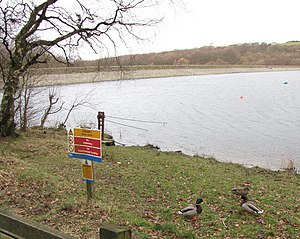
(190, 212)
(243, 190)
(248, 206)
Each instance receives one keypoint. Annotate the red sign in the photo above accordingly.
(87, 150)
(87, 142)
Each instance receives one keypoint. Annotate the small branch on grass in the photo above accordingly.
(223, 221)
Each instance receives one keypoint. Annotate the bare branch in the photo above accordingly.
(53, 99)
(84, 100)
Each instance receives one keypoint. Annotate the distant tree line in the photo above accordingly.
(246, 54)
(240, 54)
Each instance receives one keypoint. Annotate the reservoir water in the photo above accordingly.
(248, 118)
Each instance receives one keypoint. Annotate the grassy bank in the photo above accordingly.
(143, 189)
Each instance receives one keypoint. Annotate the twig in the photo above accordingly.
(223, 221)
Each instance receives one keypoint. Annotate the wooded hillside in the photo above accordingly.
(241, 54)
(247, 54)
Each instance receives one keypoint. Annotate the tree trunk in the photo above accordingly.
(7, 110)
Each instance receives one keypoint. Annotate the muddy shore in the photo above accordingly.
(76, 76)
(91, 77)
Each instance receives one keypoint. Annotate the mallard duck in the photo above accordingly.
(243, 190)
(249, 206)
(191, 211)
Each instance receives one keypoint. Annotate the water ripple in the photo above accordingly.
(244, 118)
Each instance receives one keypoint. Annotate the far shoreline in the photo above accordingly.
(81, 75)
(136, 74)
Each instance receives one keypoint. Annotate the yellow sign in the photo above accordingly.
(87, 170)
(89, 133)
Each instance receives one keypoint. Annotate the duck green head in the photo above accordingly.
(244, 197)
(199, 200)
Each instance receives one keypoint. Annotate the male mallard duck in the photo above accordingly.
(243, 190)
(190, 212)
(248, 206)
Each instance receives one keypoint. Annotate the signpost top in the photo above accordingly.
(90, 133)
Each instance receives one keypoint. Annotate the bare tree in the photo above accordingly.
(25, 105)
(54, 105)
(31, 32)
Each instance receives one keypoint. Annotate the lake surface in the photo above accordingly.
(249, 118)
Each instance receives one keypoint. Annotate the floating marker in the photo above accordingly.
(241, 97)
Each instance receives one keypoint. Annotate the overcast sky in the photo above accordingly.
(223, 22)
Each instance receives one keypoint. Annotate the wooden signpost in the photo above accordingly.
(86, 145)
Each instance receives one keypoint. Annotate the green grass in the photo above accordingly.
(143, 189)
(289, 43)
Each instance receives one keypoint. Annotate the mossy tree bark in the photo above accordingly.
(7, 110)
(7, 124)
